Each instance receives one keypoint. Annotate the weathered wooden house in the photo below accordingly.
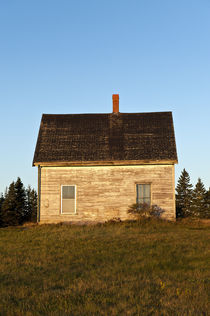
(92, 167)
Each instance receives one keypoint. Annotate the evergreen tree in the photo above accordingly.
(20, 200)
(14, 205)
(9, 207)
(184, 195)
(18, 205)
(6, 192)
(31, 202)
(1, 202)
(198, 207)
(207, 203)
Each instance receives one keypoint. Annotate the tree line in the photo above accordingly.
(191, 202)
(18, 204)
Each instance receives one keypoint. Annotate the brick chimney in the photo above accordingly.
(115, 99)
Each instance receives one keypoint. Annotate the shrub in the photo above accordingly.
(145, 210)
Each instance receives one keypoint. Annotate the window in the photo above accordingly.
(143, 193)
(68, 199)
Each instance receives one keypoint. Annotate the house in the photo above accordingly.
(92, 167)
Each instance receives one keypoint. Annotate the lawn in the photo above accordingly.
(147, 268)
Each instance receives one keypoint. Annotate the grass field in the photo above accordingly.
(147, 268)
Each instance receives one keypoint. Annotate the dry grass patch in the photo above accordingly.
(145, 268)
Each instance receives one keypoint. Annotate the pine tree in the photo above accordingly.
(198, 207)
(6, 192)
(9, 207)
(207, 203)
(14, 205)
(184, 195)
(20, 200)
(31, 202)
(1, 203)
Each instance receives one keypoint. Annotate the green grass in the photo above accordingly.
(148, 268)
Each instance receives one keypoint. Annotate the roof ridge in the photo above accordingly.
(119, 113)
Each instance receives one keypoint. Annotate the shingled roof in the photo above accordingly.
(106, 138)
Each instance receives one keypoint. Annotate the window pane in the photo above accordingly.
(143, 193)
(147, 190)
(68, 206)
(68, 192)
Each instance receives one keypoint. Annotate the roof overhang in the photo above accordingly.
(104, 163)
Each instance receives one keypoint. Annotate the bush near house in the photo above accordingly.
(140, 210)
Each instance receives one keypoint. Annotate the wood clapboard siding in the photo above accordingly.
(104, 192)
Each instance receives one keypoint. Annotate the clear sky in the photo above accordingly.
(70, 56)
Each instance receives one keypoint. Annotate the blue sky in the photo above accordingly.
(63, 56)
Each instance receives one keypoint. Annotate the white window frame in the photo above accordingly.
(140, 182)
(75, 202)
